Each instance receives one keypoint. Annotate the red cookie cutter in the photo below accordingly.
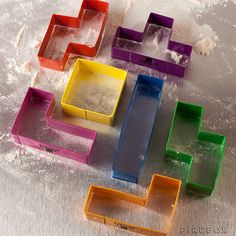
(66, 27)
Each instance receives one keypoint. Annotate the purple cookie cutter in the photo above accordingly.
(35, 127)
(128, 45)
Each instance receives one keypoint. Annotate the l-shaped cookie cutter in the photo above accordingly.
(72, 47)
(202, 151)
(109, 79)
(161, 187)
(131, 151)
(136, 38)
(38, 106)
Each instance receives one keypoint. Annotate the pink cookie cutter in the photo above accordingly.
(35, 127)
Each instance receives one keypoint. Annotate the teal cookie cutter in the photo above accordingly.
(202, 151)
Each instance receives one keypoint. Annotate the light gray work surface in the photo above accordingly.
(44, 195)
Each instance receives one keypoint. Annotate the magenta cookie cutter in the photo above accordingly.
(127, 43)
(35, 127)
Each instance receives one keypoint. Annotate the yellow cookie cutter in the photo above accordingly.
(161, 188)
(97, 75)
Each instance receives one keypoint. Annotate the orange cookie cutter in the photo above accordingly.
(163, 192)
(72, 47)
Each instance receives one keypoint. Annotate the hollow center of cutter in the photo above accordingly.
(34, 126)
(95, 92)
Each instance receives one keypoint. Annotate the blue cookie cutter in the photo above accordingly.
(136, 132)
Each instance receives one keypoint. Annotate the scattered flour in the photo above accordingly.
(129, 4)
(11, 78)
(2, 136)
(176, 57)
(12, 157)
(19, 37)
(196, 7)
(205, 46)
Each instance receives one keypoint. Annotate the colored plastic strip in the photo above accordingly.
(35, 127)
(202, 151)
(136, 132)
(93, 91)
(80, 35)
(152, 47)
(120, 209)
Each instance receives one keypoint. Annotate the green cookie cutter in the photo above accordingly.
(202, 151)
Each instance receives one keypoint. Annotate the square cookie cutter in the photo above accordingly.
(152, 47)
(131, 151)
(202, 151)
(35, 127)
(93, 91)
(68, 33)
(103, 203)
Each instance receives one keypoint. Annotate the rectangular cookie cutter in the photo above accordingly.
(109, 206)
(80, 35)
(93, 91)
(152, 47)
(131, 151)
(35, 127)
(202, 151)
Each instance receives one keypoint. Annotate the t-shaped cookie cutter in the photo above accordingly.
(202, 151)
(35, 127)
(152, 47)
(131, 151)
(93, 91)
(72, 30)
(111, 207)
